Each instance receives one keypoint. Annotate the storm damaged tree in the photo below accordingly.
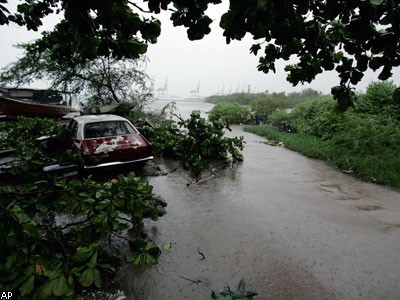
(103, 80)
(346, 36)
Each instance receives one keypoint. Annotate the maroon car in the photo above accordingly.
(107, 140)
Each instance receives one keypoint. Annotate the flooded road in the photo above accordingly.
(289, 226)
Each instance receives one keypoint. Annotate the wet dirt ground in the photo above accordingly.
(289, 226)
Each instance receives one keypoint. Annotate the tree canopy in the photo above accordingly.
(103, 80)
(347, 36)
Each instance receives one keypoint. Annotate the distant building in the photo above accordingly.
(46, 96)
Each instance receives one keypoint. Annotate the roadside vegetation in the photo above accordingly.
(363, 140)
(248, 108)
(230, 113)
(291, 99)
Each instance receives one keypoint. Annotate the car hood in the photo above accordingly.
(106, 145)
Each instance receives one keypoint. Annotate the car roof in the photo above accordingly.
(98, 118)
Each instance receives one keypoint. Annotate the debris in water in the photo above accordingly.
(201, 253)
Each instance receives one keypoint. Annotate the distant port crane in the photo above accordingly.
(195, 92)
(163, 91)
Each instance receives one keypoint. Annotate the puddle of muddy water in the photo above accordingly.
(210, 219)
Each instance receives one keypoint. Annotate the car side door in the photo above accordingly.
(73, 140)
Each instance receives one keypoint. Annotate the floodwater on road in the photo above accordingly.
(288, 226)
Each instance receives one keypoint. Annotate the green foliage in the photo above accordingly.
(230, 113)
(344, 96)
(279, 115)
(378, 100)
(23, 131)
(281, 120)
(147, 251)
(21, 135)
(196, 142)
(239, 294)
(239, 98)
(367, 134)
(316, 117)
(396, 96)
(306, 94)
(58, 233)
(99, 81)
(291, 99)
(112, 28)
(166, 138)
(264, 107)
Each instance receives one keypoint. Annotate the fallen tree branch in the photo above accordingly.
(201, 253)
(191, 280)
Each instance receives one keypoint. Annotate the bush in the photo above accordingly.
(239, 98)
(318, 117)
(230, 113)
(281, 120)
(364, 134)
(58, 233)
(21, 135)
(24, 130)
(265, 106)
(378, 100)
(196, 142)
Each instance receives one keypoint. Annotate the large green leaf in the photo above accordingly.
(376, 2)
(166, 246)
(87, 277)
(46, 290)
(60, 286)
(20, 214)
(97, 278)
(27, 287)
(83, 253)
(93, 260)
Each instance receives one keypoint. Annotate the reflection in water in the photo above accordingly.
(275, 222)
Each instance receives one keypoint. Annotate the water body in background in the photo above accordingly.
(183, 107)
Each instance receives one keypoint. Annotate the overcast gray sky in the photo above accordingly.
(209, 63)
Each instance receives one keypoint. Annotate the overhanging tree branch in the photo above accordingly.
(349, 37)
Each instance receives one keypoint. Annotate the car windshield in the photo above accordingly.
(108, 128)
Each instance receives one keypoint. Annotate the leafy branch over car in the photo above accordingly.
(196, 142)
